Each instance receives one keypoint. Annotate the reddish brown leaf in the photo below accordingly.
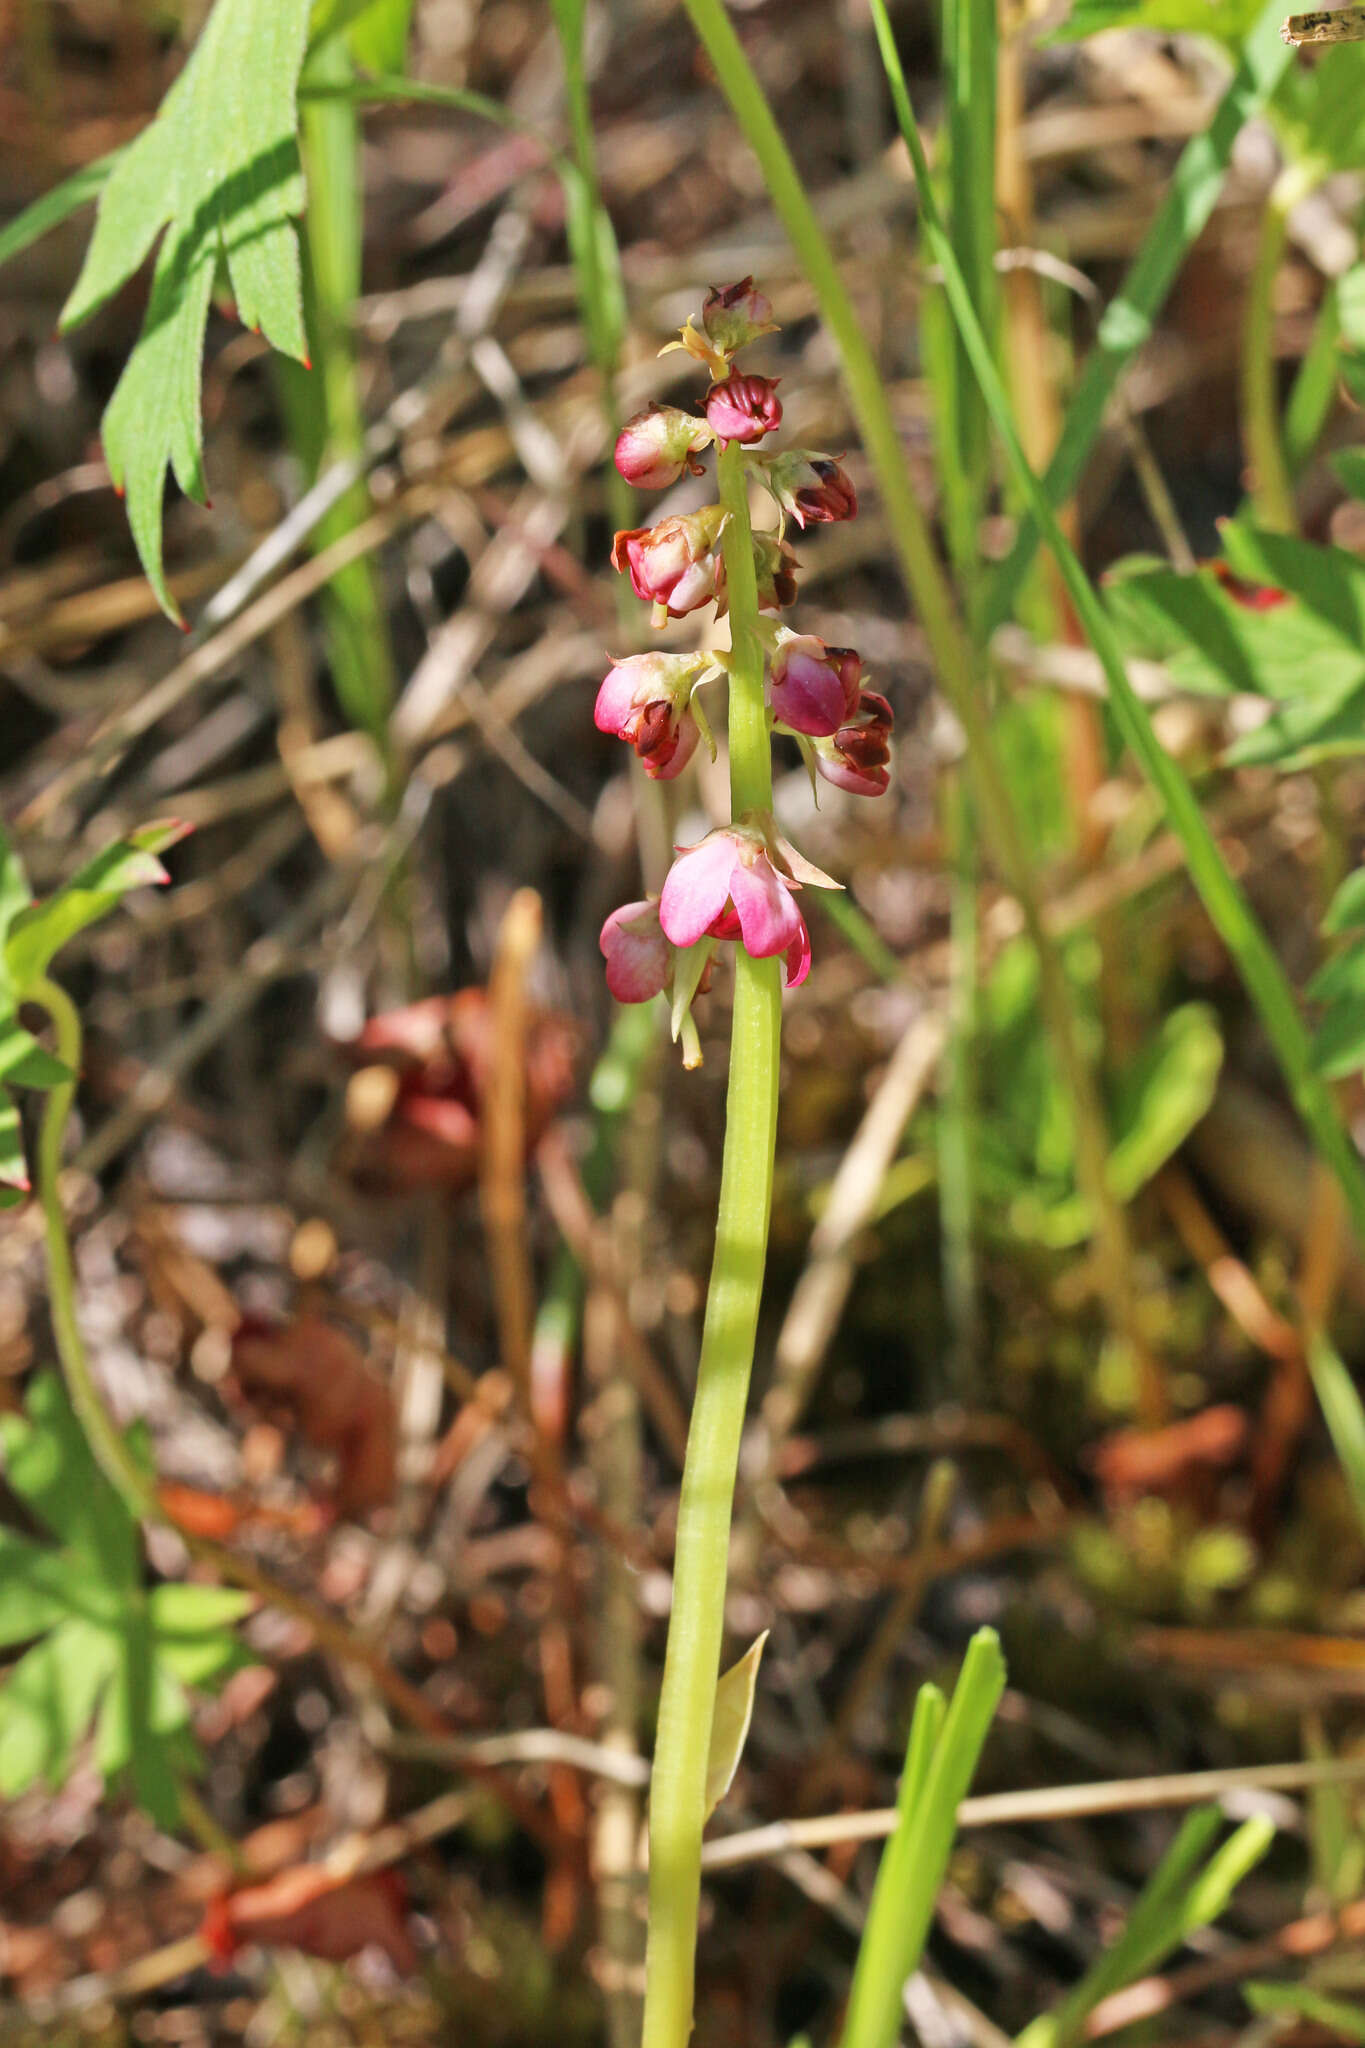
(307, 1909)
(320, 1381)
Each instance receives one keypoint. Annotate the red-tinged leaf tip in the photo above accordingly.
(118, 490)
(307, 362)
(182, 622)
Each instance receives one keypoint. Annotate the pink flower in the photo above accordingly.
(654, 448)
(671, 565)
(743, 408)
(644, 700)
(814, 687)
(638, 956)
(735, 314)
(813, 488)
(728, 887)
(856, 756)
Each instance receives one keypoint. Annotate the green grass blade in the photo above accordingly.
(1227, 907)
(940, 1759)
(1129, 317)
(1344, 1413)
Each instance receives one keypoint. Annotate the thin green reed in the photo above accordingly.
(1228, 908)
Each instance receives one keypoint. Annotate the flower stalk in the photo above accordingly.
(737, 884)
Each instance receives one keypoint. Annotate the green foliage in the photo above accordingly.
(1027, 1162)
(219, 171)
(940, 1761)
(1179, 1898)
(1343, 2022)
(30, 934)
(106, 1650)
(1227, 21)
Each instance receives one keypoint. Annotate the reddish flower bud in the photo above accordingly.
(812, 488)
(856, 756)
(735, 314)
(654, 448)
(638, 956)
(743, 408)
(814, 687)
(774, 571)
(644, 700)
(671, 565)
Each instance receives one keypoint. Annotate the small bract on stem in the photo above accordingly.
(737, 886)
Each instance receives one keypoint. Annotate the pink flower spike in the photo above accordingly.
(638, 956)
(814, 687)
(743, 408)
(654, 448)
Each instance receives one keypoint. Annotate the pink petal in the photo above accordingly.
(616, 698)
(769, 920)
(697, 888)
(798, 955)
(637, 954)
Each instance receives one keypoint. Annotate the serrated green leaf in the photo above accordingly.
(49, 1465)
(1318, 112)
(730, 1718)
(14, 1176)
(1349, 464)
(219, 171)
(55, 206)
(40, 931)
(32, 1589)
(25, 1063)
(48, 1701)
(1211, 644)
(1346, 911)
(1340, 979)
(379, 35)
(1225, 21)
(1339, 1041)
(1300, 734)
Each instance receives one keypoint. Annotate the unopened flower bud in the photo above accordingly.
(856, 756)
(644, 700)
(671, 565)
(735, 314)
(638, 956)
(812, 488)
(654, 448)
(743, 408)
(774, 572)
(815, 688)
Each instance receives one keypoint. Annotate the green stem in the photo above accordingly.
(106, 1442)
(957, 667)
(326, 420)
(677, 1807)
(1272, 489)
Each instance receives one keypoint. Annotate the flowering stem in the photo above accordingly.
(677, 1809)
